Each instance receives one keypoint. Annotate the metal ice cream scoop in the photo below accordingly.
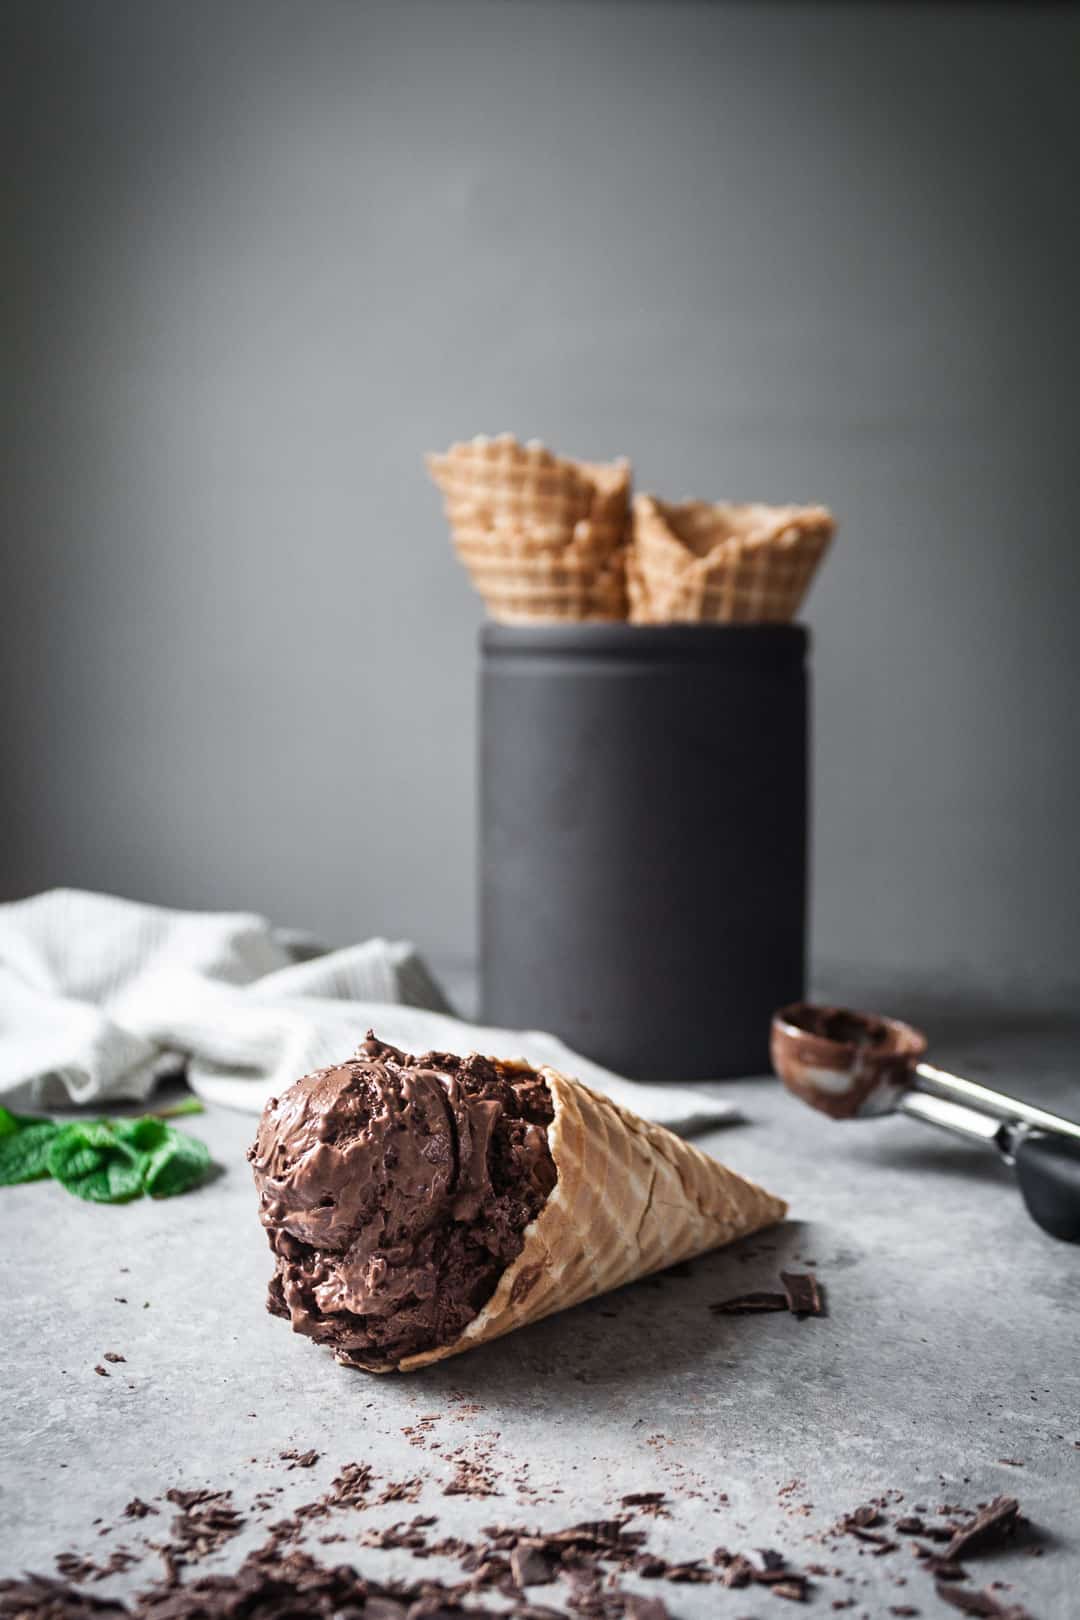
(854, 1065)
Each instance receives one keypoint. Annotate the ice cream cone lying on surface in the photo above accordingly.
(419, 1206)
(699, 562)
(543, 537)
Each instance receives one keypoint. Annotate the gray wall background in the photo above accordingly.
(264, 254)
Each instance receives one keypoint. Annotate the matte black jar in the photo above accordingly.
(643, 833)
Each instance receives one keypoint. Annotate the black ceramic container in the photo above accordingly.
(643, 835)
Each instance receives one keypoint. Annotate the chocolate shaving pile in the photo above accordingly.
(588, 1560)
(738, 1571)
(207, 1520)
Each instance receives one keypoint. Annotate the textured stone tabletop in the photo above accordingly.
(952, 1342)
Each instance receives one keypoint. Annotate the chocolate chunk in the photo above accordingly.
(739, 1572)
(691, 1573)
(138, 1509)
(750, 1304)
(943, 1569)
(993, 1524)
(804, 1294)
(875, 1537)
(114, 1356)
(865, 1517)
(529, 1566)
(102, 1372)
(39, 1598)
(644, 1608)
(792, 1588)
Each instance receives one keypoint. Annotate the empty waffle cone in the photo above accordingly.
(542, 537)
(699, 562)
(631, 1198)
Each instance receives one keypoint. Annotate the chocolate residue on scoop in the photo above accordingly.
(841, 1062)
(395, 1191)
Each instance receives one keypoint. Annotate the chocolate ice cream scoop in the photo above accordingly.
(395, 1191)
(853, 1065)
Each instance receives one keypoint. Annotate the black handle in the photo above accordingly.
(1048, 1170)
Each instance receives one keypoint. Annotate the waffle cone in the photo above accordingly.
(520, 586)
(542, 537)
(631, 1198)
(698, 562)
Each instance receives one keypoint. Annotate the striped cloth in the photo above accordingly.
(101, 997)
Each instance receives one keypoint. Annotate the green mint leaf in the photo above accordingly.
(190, 1105)
(143, 1134)
(24, 1151)
(8, 1123)
(92, 1161)
(179, 1163)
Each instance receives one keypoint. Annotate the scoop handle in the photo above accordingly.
(936, 1082)
(952, 1116)
(1048, 1170)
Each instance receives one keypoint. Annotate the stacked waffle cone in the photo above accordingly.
(543, 538)
(548, 539)
(698, 562)
(631, 1198)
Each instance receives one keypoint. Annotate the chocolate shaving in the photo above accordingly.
(873, 1536)
(692, 1573)
(982, 1603)
(943, 1569)
(750, 1304)
(300, 1459)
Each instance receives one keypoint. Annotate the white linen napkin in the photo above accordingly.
(101, 997)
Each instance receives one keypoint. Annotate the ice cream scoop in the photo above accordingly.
(858, 1065)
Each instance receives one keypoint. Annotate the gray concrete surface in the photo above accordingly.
(952, 1342)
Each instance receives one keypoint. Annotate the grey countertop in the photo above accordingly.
(952, 1342)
